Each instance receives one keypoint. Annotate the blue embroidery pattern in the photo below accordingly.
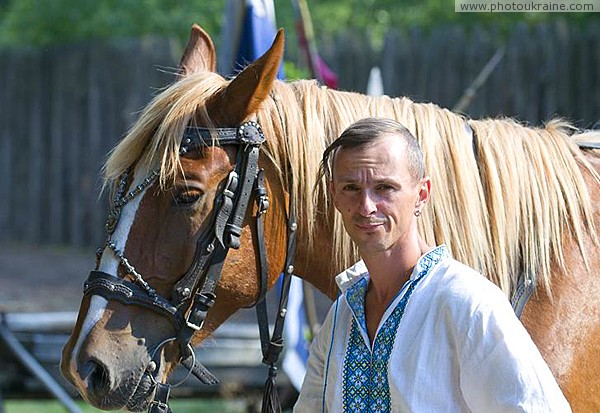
(365, 373)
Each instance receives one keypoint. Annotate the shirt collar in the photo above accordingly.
(355, 280)
(358, 271)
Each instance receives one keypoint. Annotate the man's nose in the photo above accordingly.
(367, 205)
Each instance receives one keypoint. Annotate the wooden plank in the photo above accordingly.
(57, 114)
(517, 96)
(452, 68)
(21, 147)
(98, 78)
(419, 69)
(7, 74)
(562, 85)
(34, 128)
(75, 141)
(546, 38)
(496, 82)
(585, 77)
(476, 55)
(396, 66)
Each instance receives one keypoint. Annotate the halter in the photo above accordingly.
(194, 295)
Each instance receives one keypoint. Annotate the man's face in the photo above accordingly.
(376, 194)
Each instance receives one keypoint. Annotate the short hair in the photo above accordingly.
(367, 131)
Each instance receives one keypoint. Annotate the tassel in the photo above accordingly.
(271, 402)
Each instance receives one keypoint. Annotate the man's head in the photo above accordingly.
(378, 184)
(365, 132)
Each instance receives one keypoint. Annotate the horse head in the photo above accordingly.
(135, 322)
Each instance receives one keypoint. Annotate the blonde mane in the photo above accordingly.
(503, 196)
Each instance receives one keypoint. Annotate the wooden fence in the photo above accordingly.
(62, 109)
(547, 71)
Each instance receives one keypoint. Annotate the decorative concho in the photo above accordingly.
(251, 133)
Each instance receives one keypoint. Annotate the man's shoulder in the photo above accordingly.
(455, 282)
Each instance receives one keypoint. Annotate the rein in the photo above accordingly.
(195, 294)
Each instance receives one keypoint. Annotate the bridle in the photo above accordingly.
(195, 293)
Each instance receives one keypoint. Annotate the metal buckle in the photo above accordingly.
(231, 185)
(194, 326)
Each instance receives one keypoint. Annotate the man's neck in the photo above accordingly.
(389, 270)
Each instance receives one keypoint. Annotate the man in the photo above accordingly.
(413, 330)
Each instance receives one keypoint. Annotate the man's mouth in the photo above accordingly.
(368, 226)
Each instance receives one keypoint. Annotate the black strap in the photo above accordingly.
(226, 208)
(205, 296)
(195, 137)
(233, 202)
(203, 299)
(199, 371)
(521, 294)
(262, 203)
(159, 404)
(248, 176)
(261, 304)
(272, 347)
(128, 293)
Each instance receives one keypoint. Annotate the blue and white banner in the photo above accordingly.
(295, 336)
(248, 32)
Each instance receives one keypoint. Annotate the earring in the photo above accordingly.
(417, 213)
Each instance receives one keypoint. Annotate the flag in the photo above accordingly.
(306, 37)
(295, 336)
(248, 32)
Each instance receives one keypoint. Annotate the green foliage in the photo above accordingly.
(39, 22)
(379, 16)
(293, 72)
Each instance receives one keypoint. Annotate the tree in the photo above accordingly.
(35, 22)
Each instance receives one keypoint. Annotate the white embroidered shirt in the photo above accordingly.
(449, 342)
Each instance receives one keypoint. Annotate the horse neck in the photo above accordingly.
(308, 130)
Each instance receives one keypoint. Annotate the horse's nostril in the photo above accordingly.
(87, 369)
(97, 377)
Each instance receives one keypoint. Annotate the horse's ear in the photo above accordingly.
(199, 54)
(250, 88)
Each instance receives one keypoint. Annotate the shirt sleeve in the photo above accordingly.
(501, 368)
(312, 391)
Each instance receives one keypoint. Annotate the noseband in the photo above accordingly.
(194, 295)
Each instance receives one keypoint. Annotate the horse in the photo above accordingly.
(518, 203)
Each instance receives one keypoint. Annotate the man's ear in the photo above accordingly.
(424, 193)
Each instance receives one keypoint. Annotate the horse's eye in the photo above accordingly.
(186, 197)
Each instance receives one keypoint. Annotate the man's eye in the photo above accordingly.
(350, 188)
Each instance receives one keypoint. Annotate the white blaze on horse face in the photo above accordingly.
(109, 264)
